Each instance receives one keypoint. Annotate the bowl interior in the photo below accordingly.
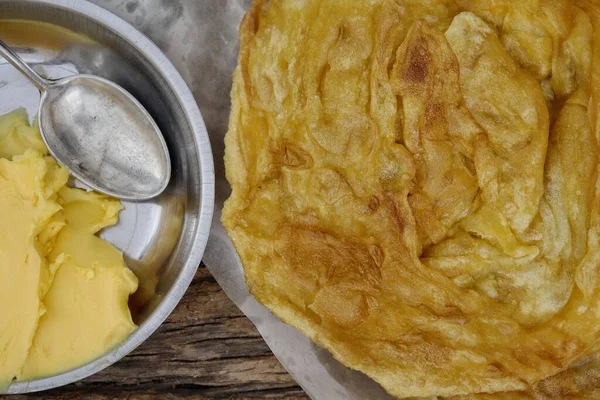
(162, 239)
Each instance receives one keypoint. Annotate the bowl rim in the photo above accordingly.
(206, 204)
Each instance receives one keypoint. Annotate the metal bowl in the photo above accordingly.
(163, 240)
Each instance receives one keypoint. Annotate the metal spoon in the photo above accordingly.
(101, 133)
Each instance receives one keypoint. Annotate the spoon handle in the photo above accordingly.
(22, 66)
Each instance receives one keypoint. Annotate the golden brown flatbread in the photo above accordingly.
(415, 187)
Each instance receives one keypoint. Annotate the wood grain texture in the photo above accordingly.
(207, 349)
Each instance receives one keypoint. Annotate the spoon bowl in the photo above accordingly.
(105, 136)
(101, 133)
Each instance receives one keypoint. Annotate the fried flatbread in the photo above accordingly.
(415, 187)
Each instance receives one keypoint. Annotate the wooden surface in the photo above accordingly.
(207, 349)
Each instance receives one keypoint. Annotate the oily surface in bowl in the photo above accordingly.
(415, 187)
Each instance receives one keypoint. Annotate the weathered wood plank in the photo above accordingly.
(207, 349)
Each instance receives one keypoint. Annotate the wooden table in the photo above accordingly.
(206, 349)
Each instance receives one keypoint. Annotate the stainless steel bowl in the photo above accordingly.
(163, 240)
